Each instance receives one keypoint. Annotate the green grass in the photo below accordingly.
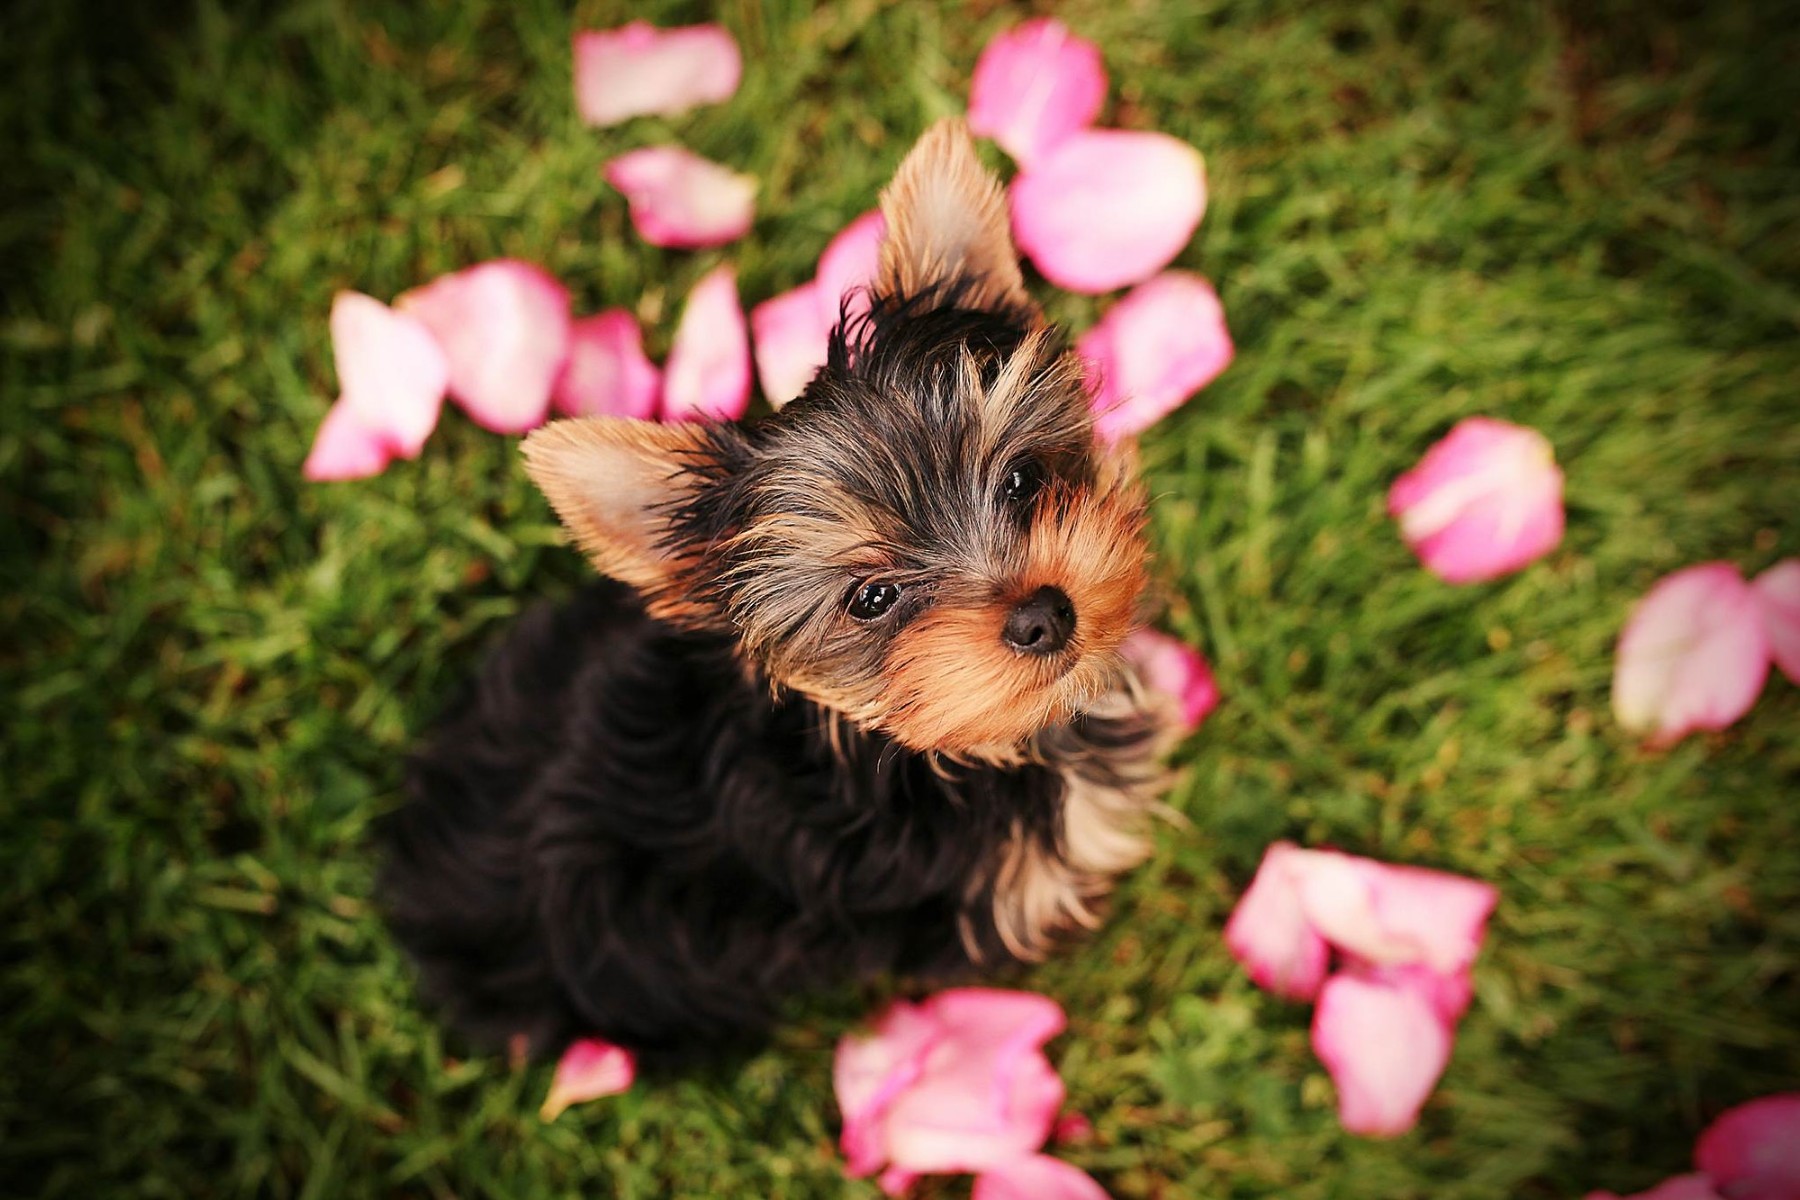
(1585, 221)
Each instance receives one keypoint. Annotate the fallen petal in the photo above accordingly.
(1778, 588)
(707, 376)
(1385, 1049)
(589, 1069)
(391, 372)
(850, 262)
(638, 69)
(1392, 915)
(1269, 933)
(1037, 1177)
(345, 449)
(679, 199)
(1153, 349)
(791, 336)
(1484, 501)
(1172, 668)
(1693, 655)
(1108, 207)
(869, 1071)
(986, 1093)
(1034, 86)
(504, 327)
(607, 373)
(1752, 1152)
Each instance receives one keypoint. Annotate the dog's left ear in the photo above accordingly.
(947, 222)
(614, 482)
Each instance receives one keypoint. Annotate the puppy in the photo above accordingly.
(848, 703)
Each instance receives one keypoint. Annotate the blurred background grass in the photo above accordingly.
(1582, 217)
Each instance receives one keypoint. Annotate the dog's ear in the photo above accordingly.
(947, 221)
(613, 482)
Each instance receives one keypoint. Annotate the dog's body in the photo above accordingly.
(855, 707)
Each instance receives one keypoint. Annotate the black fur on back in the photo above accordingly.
(620, 833)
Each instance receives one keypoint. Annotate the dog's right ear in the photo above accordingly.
(947, 222)
(614, 482)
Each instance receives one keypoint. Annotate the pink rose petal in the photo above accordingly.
(1385, 1048)
(707, 376)
(791, 337)
(1681, 1187)
(1778, 588)
(345, 449)
(986, 1093)
(1175, 669)
(1269, 933)
(504, 326)
(589, 1068)
(607, 373)
(638, 69)
(1036, 1177)
(1034, 86)
(1484, 501)
(1693, 655)
(850, 262)
(1153, 349)
(1391, 915)
(391, 372)
(869, 1071)
(1752, 1152)
(681, 200)
(1108, 207)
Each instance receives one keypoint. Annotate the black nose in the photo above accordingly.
(1042, 623)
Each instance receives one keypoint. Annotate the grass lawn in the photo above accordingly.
(1583, 219)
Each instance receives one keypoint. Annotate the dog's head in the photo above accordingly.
(929, 541)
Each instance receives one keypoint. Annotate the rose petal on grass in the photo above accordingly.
(1172, 668)
(1033, 86)
(504, 327)
(869, 1071)
(638, 69)
(589, 1069)
(391, 372)
(1153, 349)
(707, 376)
(607, 373)
(1778, 590)
(791, 335)
(986, 1093)
(1269, 932)
(1392, 915)
(1036, 1177)
(681, 200)
(1752, 1152)
(1483, 502)
(345, 449)
(1385, 1048)
(1108, 207)
(1693, 655)
(851, 261)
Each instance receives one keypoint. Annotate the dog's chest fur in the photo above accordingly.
(628, 836)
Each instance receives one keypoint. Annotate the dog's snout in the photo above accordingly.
(1042, 623)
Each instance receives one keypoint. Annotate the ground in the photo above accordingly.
(1580, 218)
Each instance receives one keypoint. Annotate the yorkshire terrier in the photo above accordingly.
(849, 704)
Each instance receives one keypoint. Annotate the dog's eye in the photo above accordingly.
(1022, 483)
(870, 601)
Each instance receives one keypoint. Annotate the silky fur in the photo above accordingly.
(671, 805)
